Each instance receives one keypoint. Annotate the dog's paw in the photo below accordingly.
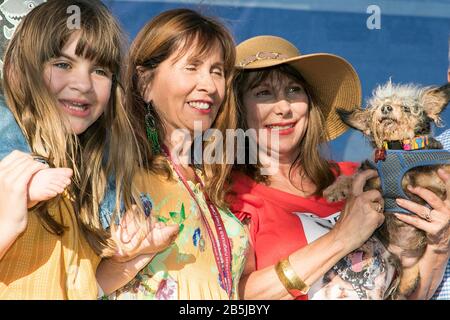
(339, 190)
(332, 195)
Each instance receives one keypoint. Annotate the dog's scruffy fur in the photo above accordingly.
(398, 112)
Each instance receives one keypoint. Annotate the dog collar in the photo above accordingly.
(415, 143)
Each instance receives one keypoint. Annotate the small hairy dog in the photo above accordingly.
(394, 115)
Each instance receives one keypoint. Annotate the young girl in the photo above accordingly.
(63, 87)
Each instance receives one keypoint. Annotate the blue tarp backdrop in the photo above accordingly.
(412, 44)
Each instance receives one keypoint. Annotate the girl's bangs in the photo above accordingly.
(105, 51)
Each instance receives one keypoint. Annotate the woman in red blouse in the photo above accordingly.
(303, 246)
(296, 235)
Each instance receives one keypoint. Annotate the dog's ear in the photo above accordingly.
(357, 119)
(434, 101)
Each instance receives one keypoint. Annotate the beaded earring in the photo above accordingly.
(150, 127)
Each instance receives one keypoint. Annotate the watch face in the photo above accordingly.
(11, 13)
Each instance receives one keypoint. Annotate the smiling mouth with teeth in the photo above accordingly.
(281, 127)
(78, 108)
(200, 105)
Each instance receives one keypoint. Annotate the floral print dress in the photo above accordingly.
(187, 269)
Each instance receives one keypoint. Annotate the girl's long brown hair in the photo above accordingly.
(309, 160)
(107, 147)
(176, 31)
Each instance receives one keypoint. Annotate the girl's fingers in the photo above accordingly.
(23, 173)
(173, 230)
(128, 226)
(11, 158)
(59, 183)
(67, 172)
(129, 217)
(52, 193)
(57, 188)
(16, 167)
(60, 175)
(135, 242)
(158, 225)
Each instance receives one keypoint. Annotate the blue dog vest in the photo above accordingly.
(394, 167)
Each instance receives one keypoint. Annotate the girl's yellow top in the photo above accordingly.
(42, 265)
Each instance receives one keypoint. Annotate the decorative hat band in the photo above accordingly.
(263, 55)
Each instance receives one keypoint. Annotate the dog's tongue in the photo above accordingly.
(356, 258)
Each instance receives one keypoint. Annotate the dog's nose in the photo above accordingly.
(386, 109)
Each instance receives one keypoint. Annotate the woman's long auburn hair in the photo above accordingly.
(108, 147)
(309, 160)
(176, 31)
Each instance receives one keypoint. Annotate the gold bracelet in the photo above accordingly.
(290, 280)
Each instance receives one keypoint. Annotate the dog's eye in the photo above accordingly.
(406, 109)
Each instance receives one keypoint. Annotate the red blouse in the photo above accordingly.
(281, 222)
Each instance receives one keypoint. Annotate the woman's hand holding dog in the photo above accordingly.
(363, 213)
(435, 221)
(436, 224)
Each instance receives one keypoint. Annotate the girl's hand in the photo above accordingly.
(16, 171)
(47, 184)
(133, 240)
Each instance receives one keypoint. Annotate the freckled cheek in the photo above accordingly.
(103, 92)
(54, 83)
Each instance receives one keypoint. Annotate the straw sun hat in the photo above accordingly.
(332, 79)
